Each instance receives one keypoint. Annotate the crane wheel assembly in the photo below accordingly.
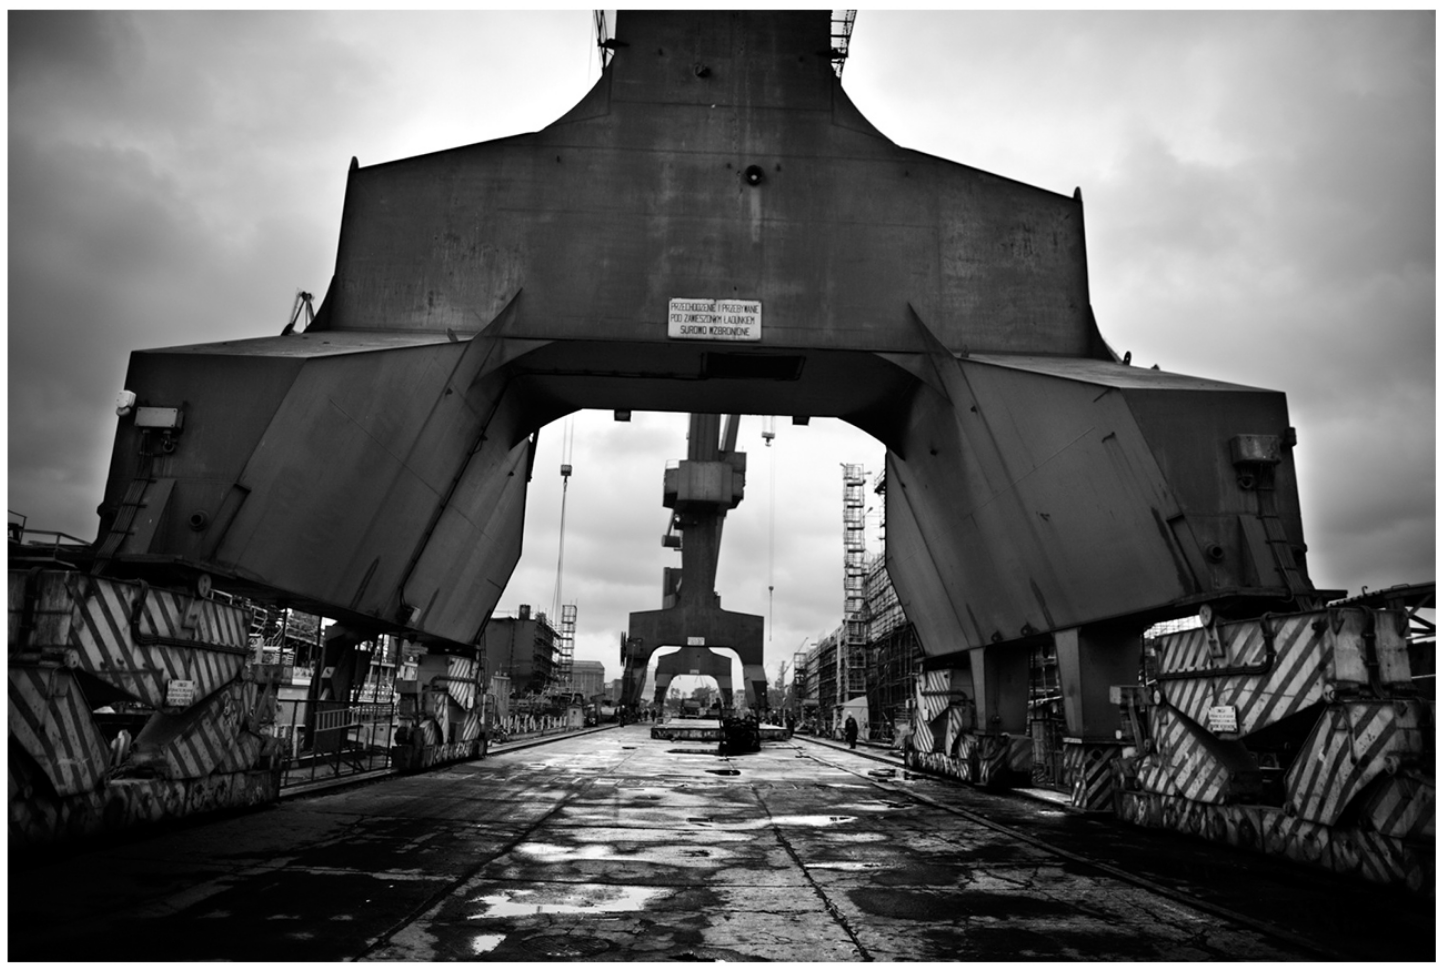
(1302, 735)
(130, 705)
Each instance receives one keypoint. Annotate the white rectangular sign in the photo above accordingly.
(180, 693)
(1223, 720)
(714, 319)
(696, 641)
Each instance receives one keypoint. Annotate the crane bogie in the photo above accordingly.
(90, 658)
(1304, 735)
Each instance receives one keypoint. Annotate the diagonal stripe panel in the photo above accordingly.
(1402, 807)
(50, 720)
(461, 683)
(1345, 751)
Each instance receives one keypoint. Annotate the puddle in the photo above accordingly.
(762, 823)
(847, 866)
(486, 942)
(723, 771)
(879, 806)
(813, 819)
(575, 901)
(711, 751)
(551, 853)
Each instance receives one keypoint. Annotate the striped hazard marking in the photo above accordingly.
(51, 722)
(1186, 753)
(1346, 750)
(109, 634)
(461, 681)
(471, 727)
(1371, 855)
(1303, 656)
(1091, 766)
(202, 739)
(1402, 806)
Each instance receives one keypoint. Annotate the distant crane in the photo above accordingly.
(769, 431)
(564, 616)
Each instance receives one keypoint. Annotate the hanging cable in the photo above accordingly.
(568, 433)
(768, 433)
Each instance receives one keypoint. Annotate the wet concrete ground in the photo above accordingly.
(615, 846)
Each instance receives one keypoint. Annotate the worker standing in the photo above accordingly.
(849, 730)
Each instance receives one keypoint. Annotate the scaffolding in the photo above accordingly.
(842, 21)
(565, 635)
(852, 649)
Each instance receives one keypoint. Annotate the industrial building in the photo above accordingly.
(588, 678)
(524, 648)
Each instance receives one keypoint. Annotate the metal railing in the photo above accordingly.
(520, 726)
(343, 739)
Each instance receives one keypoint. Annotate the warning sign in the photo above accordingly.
(180, 693)
(696, 319)
(1223, 720)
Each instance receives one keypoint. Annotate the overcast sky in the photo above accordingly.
(1259, 195)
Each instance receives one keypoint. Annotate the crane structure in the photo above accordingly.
(716, 228)
(566, 613)
(699, 490)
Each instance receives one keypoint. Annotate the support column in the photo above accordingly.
(755, 678)
(1090, 660)
(659, 696)
(1000, 688)
(724, 687)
